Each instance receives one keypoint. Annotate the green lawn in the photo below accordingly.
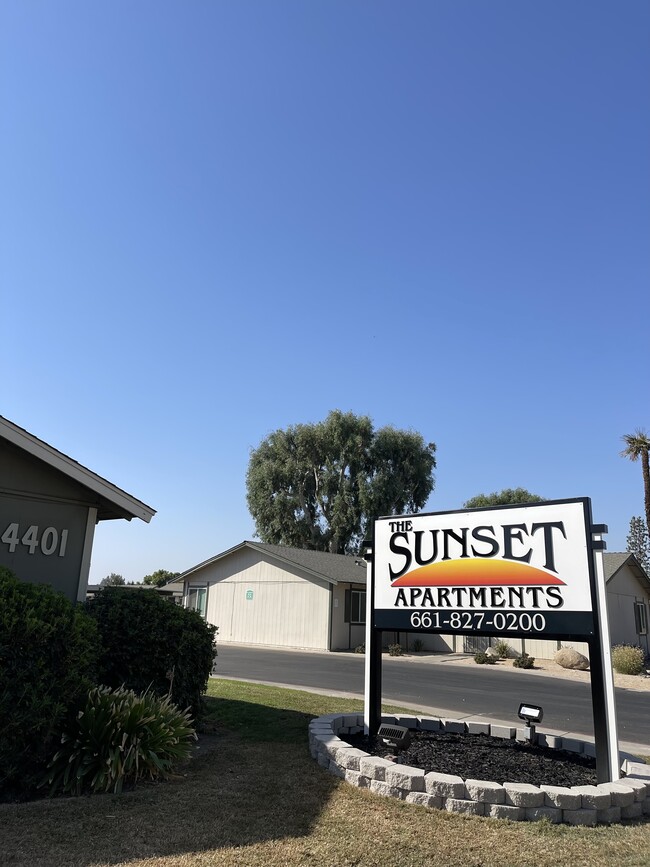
(253, 796)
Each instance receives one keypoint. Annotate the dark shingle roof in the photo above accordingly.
(334, 568)
(616, 559)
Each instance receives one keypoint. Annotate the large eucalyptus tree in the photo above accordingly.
(319, 486)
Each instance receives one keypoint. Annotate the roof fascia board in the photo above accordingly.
(58, 461)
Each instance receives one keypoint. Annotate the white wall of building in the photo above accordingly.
(253, 601)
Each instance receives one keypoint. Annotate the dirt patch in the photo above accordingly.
(480, 757)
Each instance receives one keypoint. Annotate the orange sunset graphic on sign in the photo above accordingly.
(474, 572)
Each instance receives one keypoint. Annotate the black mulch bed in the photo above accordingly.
(480, 757)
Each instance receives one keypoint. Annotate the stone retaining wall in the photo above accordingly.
(628, 798)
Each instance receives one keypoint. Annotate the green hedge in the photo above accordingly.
(48, 661)
(150, 643)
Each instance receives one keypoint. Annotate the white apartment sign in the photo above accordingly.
(516, 571)
(506, 571)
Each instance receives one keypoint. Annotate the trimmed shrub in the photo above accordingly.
(628, 659)
(120, 737)
(48, 658)
(524, 661)
(502, 648)
(360, 648)
(395, 650)
(483, 658)
(150, 643)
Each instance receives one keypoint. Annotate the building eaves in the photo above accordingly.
(123, 505)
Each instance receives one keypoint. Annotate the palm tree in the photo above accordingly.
(637, 445)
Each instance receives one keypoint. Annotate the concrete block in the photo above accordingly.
(427, 724)
(459, 805)
(638, 780)
(409, 722)
(478, 728)
(329, 717)
(609, 816)
(350, 758)
(352, 719)
(562, 797)
(572, 745)
(330, 744)
(337, 770)
(323, 760)
(589, 749)
(536, 814)
(637, 769)
(523, 795)
(381, 788)
(633, 811)
(593, 798)
(551, 741)
(357, 779)
(374, 767)
(404, 777)
(504, 811)
(646, 806)
(389, 719)
(424, 800)
(444, 785)
(505, 732)
(356, 730)
(580, 817)
(454, 726)
(640, 787)
(485, 791)
(522, 734)
(622, 795)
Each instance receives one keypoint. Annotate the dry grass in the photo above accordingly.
(267, 804)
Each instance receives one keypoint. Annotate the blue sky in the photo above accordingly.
(221, 218)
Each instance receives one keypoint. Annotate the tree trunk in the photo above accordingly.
(645, 469)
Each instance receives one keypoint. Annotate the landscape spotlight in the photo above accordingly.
(532, 714)
(397, 737)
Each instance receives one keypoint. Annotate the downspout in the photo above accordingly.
(329, 618)
(350, 621)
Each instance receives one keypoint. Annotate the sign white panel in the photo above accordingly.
(512, 570)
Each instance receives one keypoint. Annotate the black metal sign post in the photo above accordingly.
(372, 685)
(600, 664)
(520, 571)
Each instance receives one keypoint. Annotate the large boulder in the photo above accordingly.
(568, 657)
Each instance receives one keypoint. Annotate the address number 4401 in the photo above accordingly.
(50, 541)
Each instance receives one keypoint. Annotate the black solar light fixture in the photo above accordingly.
(397, 737)
(531, 714)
